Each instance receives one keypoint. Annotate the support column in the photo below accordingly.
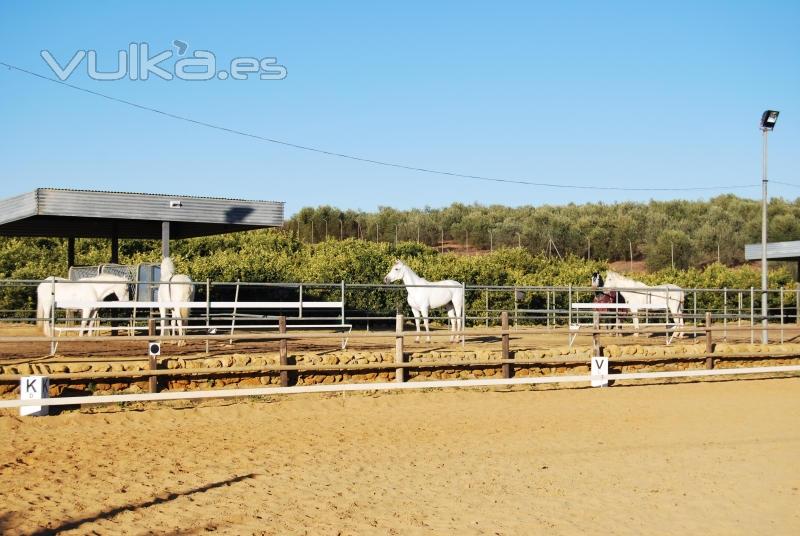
(164, 239)
(70, 252)
(114, 245)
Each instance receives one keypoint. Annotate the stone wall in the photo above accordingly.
(546, 362)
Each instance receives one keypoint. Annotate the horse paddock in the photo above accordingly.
(705, 457)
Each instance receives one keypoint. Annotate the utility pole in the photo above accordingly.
(672, 254)
(768, 120)
(630, 248)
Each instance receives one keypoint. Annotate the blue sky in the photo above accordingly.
(627, 94)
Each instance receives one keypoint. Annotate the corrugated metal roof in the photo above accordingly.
(775, 251)
(146, 193)
(95, 213)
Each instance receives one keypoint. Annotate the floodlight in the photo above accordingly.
(768, 119)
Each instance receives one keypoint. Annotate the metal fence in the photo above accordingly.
(374, 306)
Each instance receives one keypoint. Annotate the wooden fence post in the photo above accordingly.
(153, 365)
(283, 352)
(400, 373)
(508, 369)
(597, 351)
(709, 342)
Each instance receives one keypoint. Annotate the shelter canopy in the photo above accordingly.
(776, 251)
(53, 212)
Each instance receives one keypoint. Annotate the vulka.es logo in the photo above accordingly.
(137, 63)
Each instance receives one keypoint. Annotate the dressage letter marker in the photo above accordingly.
(34, 388)
(600, 371)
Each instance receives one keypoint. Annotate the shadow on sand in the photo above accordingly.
(106, 514)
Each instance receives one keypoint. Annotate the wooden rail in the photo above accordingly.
(350, 387)
(362, 367)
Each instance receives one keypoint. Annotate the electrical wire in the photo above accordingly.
(371, 160)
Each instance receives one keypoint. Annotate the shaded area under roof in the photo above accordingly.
(55, 212)
(776, 251)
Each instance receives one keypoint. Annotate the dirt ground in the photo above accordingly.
(711, 458)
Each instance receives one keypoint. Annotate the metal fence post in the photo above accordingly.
(284, 351)
(739, 312)
(52, 320)
(797, 303)
(516, 307)
(508, 368)
(208, 308)
(709, 342)
(487, 307)
(399, 357)
(235, 303)
(547, 310)
(752, 316)
(463, 314)
(343, 320)
(666, 316)
(781, 298)
(725, 312)
(300, 307)
(569, 305)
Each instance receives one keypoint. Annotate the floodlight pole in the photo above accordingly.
(764, 281)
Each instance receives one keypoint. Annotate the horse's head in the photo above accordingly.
(396, 273)
(597, 280)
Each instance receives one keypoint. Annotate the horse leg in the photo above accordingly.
(451, 320)
(173, 325)
(416, 321)
(181, 329)
(162, 313)
(679, 323)
(426, 321)
(87, 321)
(636, 324)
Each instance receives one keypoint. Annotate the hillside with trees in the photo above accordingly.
(688, 233)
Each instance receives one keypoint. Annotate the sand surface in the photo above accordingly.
(710, 458)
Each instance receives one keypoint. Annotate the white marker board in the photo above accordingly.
(34, 388)
(600, 368)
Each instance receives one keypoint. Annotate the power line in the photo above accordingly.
(785, 183)
(364, 159)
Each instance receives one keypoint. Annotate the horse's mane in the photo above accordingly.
(616, 279)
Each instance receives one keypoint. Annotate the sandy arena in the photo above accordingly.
(714, 458)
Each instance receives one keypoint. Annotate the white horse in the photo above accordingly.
(668, 296)
(424, 295)
(88, 289)
(174, 288)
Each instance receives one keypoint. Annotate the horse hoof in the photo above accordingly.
(416, 339)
